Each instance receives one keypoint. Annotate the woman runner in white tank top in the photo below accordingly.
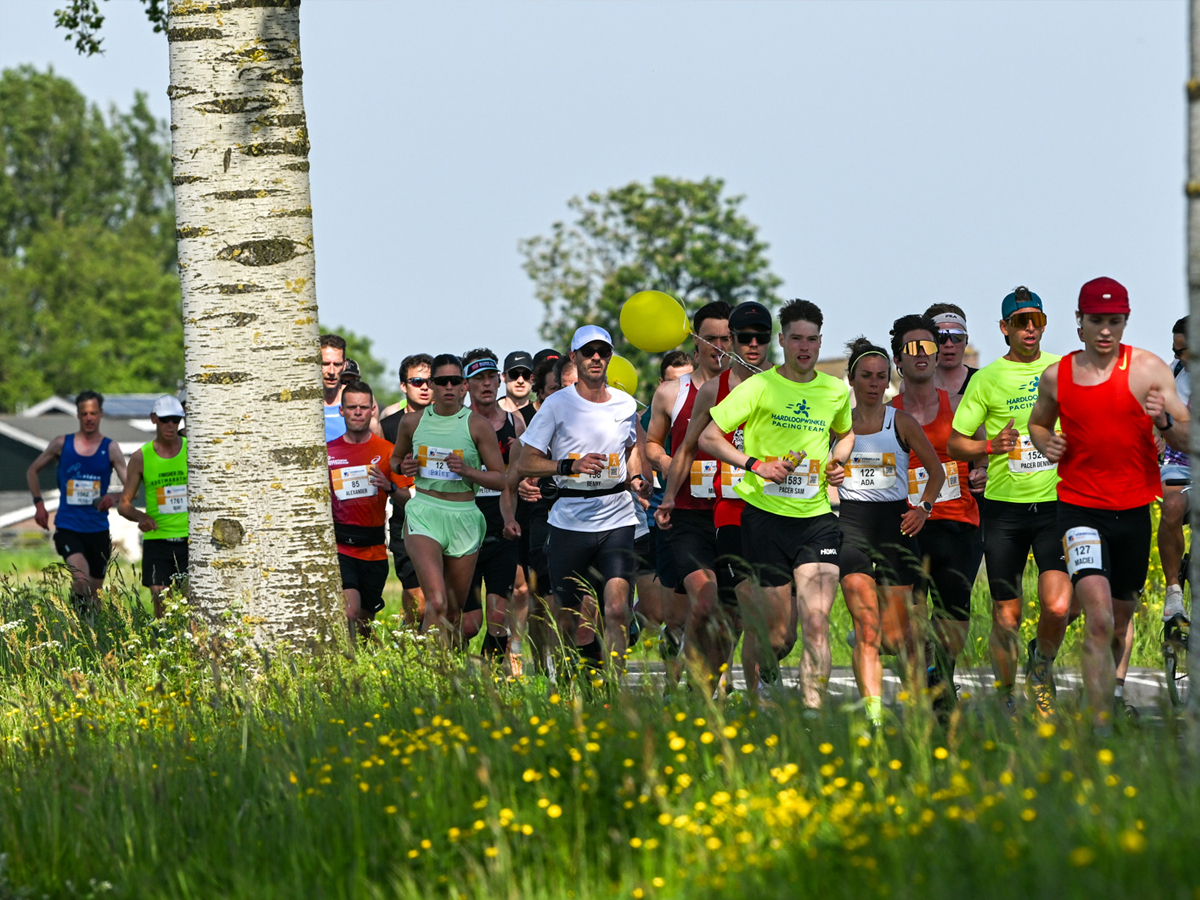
(879, 556)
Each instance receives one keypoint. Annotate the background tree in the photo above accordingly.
(678, 236)
(89, 291)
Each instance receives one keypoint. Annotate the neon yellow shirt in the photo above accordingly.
(1000, 391)
(784, 417)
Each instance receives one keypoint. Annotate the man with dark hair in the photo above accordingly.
(673, 364)
(693, 535)
(952, 373)
(1176, 466)
(518, 384)
(333, 363)
(796, 427)
(361, 480)
(1020, 509)
(86, 461)
(417, 384)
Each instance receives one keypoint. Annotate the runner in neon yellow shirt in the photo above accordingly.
(1020, 500)
(792, 413)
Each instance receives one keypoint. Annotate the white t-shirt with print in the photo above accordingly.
(568, 425)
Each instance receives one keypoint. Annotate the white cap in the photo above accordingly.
(585, 334)
(166, 405)
(949, 318)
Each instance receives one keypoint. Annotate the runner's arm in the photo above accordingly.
(484, 435)
(52, 452)
(685, 455)
(508, 498)
(659, 427)
(403, 447)
(125, 505)
(1043, 416)
(1162, 400)
(914, 435)
(835, 465)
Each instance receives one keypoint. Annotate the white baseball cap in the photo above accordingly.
(166, 405)
(585, 334)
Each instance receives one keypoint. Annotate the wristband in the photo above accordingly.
(564, 466)
(751, 462)
(988, 448)
(37, 500)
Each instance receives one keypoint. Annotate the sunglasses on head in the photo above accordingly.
(1021, 320)
(956, 337)
(749, 337)
(444, 380)
(418, 381)
(604, 351)
(514, 374)
(171, 420)
(913, 348)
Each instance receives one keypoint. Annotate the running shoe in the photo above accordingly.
(1174, 604)
(1039, 682)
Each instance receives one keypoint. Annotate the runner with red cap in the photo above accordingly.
(1109, 397)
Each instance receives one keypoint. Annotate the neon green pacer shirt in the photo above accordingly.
(1000, 391)
(784, 417)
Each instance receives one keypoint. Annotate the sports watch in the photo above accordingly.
(927, 506)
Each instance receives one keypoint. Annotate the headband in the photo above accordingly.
(475, 366)
(949, 318)
(860, 356)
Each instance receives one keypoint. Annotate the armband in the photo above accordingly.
(564, 466)
(751, 462)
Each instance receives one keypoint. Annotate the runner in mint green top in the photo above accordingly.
(1020, 508)
(437, 438)
(792, 415)
(162, 465)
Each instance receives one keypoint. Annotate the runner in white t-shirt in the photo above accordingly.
(586, 438)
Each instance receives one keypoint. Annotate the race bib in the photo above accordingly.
(82, 491)
(918, 478)
(1082, 548)
(704, 473)
(433, 463)
(608, 477)
(802, 484)
(481, 491)
(731, 477)
(1026, 458)
(351, 482)
(172, 498)
(866, 471)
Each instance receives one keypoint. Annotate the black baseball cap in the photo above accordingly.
(350, 370)
(750, 314)
(544, 355)
(518, 359)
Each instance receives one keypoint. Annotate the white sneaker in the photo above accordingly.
(1174, 603)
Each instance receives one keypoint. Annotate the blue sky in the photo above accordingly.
(892, 155)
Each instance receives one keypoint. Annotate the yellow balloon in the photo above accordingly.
(622, 374)
(654, 321)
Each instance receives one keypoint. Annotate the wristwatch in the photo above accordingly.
(927, 506)
(1170, 422)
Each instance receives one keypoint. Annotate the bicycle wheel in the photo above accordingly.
(1175, 640)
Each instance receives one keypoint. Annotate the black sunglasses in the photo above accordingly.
(956, 337)
(444, 380)
(418, 381)
(171, 420)
(514, 374)
(749, 337)
(604, 351)
(1179, 351)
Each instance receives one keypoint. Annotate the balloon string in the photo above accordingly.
(728, 353)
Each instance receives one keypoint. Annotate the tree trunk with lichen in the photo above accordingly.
(1193, 277)
(260, 529)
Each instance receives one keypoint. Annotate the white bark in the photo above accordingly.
(1193, 277)
(260, 527)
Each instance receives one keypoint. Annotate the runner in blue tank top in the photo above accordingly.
(86, 461)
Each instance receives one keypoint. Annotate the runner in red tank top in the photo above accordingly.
(750, 324)
(950, 542)
(1106, 396)
(693, 540)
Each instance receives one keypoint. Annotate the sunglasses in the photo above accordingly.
(913, 348)
(956, 337)
(1178, 352)
(514, 374)
(445, 380)
(749, 337)
(170, 420)
(604, 351)
(418, 382)
(1020, 321)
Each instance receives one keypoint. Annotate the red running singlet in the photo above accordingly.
(728, 510)
(1111, 461)
(699, 490)
(960, 505)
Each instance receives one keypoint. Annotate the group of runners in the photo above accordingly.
(559, 512)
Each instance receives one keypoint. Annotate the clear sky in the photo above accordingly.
(892, 155)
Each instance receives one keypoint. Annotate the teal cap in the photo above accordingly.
(1020, 298)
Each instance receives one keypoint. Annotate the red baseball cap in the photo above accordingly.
(1104, 296)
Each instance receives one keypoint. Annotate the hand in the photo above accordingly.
(643, 502)
(590, 464)
(642, 490)
(1155, 404)
(528, 490)
(145, 523)
(42, 517)
(376, 476)
(835, 471)
(662, 515)
(913, 521)
(512, 529)
(777, 470)
(1007, 440)
(409, 466)
(1055, 447)
(107, 502)
(455, 464)
(977, 479)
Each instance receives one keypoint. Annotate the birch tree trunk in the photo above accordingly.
(260, 526)
(1193, 277)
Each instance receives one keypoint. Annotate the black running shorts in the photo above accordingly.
(163, 559)
(952, 551)
(368, 577)
(96, 547)
(495, 571)
(1108, 542)
(732, 568)
(776, 545)
(579, 558)
(404, 567)
(1010, 531)
(693, 540)
(872, 543)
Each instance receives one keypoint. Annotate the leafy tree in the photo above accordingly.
(371, 369)
(678, 236)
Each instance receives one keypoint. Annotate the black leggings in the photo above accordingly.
(953, 551)
(579, 558)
